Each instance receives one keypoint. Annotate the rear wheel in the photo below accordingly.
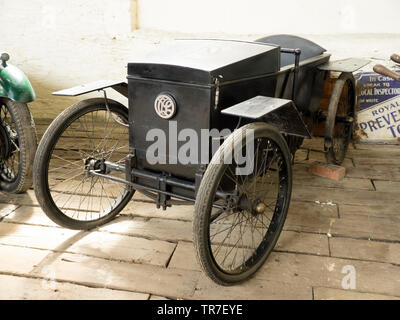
(82, 138)
(233, 236)
(341, 113)
(17, 146)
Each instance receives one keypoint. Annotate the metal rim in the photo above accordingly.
(241, 234)
(91, 136)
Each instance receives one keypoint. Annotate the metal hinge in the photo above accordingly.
(216, 82)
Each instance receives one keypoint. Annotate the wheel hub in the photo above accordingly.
(254, 207)
(96, 165)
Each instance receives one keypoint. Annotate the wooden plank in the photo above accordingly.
(124, 248)
(367, 228)
(358, 161)
(154, 228)
(20, 260)
(302, 216)
(317, 271)
(365, 250)
(310, 217)
(6, 209)
(37, 237)
(381, 147)
(376, 172)
(30, 215)
(389, 152)
(314, 271)
(22, 288)
(337, 294)
(302, 176)
(252, 289)
(124, 276)
(153, 297)
(298, 211)
(287, 242)
(98, 244)
(290, 241)
(28, 198)
(389, 211)
(387, 186)
(341, 196)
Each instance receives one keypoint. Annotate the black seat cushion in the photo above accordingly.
(308, 48)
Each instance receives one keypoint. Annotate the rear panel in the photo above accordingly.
(193, 111)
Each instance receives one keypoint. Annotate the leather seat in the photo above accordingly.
(308, 48)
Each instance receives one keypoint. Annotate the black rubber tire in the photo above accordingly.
(205, 198)
(336, 153)
(27, 140)
(45, 149)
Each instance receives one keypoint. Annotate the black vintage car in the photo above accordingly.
(258, 99)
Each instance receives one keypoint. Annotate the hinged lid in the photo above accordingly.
(201, 61)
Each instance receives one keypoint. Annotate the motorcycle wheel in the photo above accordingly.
(18, 143)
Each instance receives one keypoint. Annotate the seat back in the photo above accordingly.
(308, 48)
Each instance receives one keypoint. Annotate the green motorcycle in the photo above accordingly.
(18, 141)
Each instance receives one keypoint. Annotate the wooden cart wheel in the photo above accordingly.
(341, 115)
(233, 240)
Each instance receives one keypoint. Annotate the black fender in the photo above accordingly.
(117, 85)
(281, 113)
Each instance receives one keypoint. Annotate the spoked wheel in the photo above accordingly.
(240, 210)
(80, 139)
(17, 146)
(339, 125)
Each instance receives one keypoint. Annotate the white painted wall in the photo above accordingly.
(270, 16)
(60, 44)
(68, 18)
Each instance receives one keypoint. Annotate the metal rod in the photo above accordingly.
(141, 187)
(154, 177)
(297, 53)
(169, 180)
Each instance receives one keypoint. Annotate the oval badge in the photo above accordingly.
(165, 106)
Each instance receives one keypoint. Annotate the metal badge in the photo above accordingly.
(165, 106)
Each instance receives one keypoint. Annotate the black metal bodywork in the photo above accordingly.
(212, 75)
(211, 82)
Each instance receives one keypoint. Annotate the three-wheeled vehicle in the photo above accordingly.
(256, 101)
(17, 129)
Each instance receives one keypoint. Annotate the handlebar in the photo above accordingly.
(386, 72)
(395, 58)
(4, 57)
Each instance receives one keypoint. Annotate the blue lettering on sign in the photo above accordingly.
(375, 89)
(384, 120)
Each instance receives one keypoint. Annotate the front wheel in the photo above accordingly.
(17, 146)
(81, 139)
(241, 205)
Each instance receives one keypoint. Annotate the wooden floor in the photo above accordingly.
(335, 231)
